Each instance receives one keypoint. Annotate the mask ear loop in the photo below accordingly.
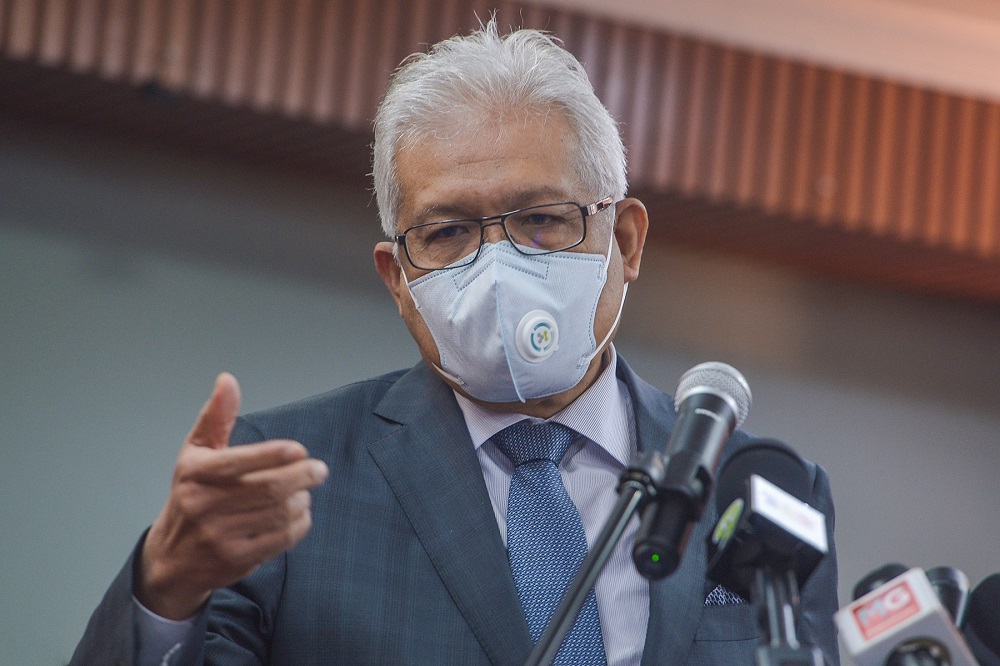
(406, 282)
(607, 255)
(585, 361)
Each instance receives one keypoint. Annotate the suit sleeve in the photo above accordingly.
(110, 634)
(819, 594)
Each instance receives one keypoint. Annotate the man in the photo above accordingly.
(501, 183)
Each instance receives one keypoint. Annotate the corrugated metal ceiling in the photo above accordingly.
(824, 170)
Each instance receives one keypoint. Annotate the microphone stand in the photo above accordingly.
(636, 486)
(776, 595)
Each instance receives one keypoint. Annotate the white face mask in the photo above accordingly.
(513, 327)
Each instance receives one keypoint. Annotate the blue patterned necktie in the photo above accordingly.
(545, 539)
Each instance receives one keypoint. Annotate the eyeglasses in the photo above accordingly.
(535, 230)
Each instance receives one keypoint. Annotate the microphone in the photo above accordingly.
(765, 520)
(952, 589)
(768, 542)
(903, 622)
(712, 400)
(878, 578)
(983, 617)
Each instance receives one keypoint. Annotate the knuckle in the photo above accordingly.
(227, 557)
(299, 502)
(189, 504)
(232, 554)
(224, 466)
(211, 536)
(183, 469)
(201, 466)
(294, 532)
(285, 513)
(272, 487)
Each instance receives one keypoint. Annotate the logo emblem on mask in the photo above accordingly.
(541, 337)
(537, 336)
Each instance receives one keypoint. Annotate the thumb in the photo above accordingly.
(218, 415)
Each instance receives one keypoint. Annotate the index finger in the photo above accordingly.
(228, 464)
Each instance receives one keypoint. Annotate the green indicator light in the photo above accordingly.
(656, 557)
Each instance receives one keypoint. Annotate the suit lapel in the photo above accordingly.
(677, 601)
(431, 466)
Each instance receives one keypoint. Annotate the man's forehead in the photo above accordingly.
(483, 170)
(486, 131)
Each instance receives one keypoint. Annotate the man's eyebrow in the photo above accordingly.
(538, 196)
(443, 211)
(515, 201)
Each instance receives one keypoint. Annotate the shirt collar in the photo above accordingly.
(601, 414)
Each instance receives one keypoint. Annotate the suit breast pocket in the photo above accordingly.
(733, 622)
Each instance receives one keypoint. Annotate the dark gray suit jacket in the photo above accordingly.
(404, 563)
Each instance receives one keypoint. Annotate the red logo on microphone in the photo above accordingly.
(888, 609)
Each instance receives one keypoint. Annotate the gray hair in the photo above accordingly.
(526, 69)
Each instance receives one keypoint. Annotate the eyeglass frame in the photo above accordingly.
(501, 219)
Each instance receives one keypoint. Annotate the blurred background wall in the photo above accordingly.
(136, 262)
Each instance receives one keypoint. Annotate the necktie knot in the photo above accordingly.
(526, 442)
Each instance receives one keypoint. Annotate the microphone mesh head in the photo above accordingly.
(715, 377)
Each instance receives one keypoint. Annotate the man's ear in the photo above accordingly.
(390, 271)
(631, 224)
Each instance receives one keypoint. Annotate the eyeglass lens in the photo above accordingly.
(535, 230)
